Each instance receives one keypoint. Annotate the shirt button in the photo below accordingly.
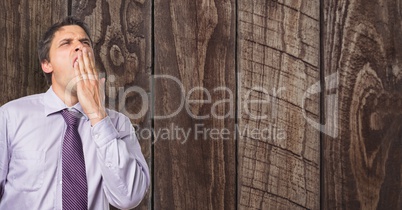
(61, 182)
(109, 165)
(97, 136)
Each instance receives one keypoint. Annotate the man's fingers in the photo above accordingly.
(78, 75)
(81, 66)
(84, 68)
(76, 69)
(92, 61)
(87, 63)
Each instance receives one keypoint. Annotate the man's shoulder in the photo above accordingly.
(26, 102)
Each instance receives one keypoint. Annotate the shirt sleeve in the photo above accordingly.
(125, 172)
(3, 152)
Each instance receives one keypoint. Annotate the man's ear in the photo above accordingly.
(46, 66)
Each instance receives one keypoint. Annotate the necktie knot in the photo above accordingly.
(70, 118)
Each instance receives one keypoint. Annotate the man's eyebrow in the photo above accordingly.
(65, 40)
(85, 40)
(70, 39)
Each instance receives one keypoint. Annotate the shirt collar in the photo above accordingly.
(54, 104)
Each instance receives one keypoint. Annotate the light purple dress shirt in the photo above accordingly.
(31, 135)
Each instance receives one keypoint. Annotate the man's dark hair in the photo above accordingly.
(46, 41)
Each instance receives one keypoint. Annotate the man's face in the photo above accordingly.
(66, 45)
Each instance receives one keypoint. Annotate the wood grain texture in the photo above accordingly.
(278, 104)
(22, 24)
(362, 163)
(121, 32)
(279, 161)
(194, 64)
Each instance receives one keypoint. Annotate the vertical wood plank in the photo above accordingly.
(195, 162)
(363, 161)
(279, 157)
(22, 24)
(121, 31)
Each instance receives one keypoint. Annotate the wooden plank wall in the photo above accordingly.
(195, 94)
(362, 159)
(229, 96)
(21, 73)
(279, 152)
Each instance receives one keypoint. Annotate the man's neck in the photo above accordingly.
(70, 99)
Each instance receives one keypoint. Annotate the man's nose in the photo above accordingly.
(78, 47)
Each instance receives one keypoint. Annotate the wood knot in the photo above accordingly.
(376, 121)
(116, 55)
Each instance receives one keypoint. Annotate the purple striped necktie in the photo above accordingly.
(74, 179)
